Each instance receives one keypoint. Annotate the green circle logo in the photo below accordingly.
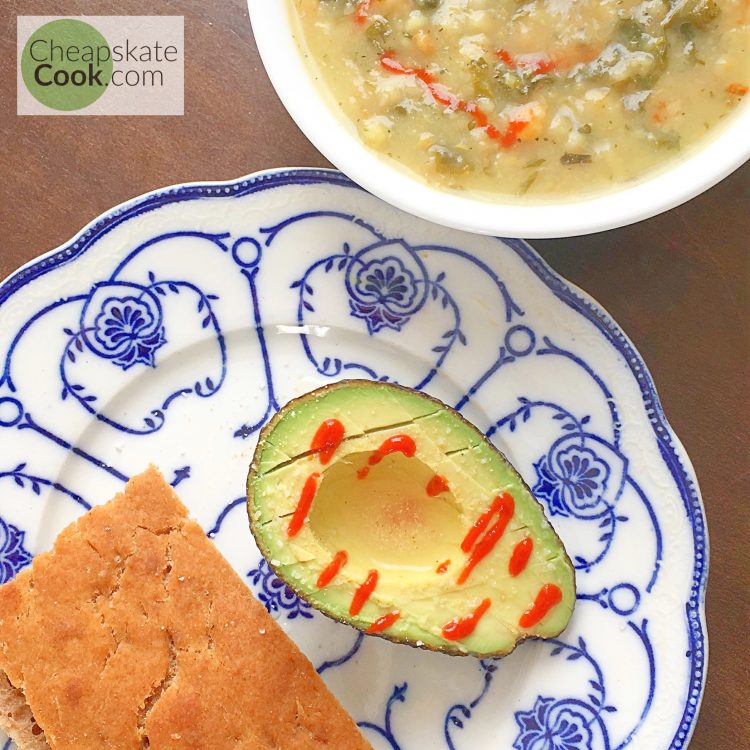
(66, 64)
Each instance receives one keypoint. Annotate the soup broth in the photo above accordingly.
(540, 98)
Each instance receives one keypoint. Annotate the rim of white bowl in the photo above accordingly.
(306, 101)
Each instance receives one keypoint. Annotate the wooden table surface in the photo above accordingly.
(678, 284)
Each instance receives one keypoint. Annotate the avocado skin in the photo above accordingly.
(448, 648)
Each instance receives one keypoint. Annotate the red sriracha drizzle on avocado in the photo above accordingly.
(549, 596)
(332, 569)
(327, 439)
(457, 630)
(436, 486)
(325, 442)
(303, 506)
(481, 523)
(384, 622)
(479, 541)
(362, 594)
(504, 507)
(396, 444)
(520, 557)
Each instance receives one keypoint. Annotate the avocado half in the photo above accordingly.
(385, 509)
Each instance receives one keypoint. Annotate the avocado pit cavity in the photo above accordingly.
(386, 519)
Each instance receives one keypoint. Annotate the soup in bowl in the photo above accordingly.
(540, 118)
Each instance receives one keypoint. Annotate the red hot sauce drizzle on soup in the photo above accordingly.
(578, 96)
(442, 96)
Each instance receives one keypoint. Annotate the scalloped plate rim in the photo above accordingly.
(567, 292)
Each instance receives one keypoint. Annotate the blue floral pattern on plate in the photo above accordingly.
(382, 293)
(13, 554)
(574, 484)
(119, 349)
(545, 728)
(276, 595)
(128, 330)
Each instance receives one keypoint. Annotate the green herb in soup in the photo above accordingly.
(547, 97)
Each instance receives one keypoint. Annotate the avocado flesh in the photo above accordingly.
(387, 521)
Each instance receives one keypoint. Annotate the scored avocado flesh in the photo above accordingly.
(385, 509)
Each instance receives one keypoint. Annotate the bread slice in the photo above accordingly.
(134, 632)
(17, 720)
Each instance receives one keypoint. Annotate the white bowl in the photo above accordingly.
(315, 112)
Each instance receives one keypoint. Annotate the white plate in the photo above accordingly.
(173, 326)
